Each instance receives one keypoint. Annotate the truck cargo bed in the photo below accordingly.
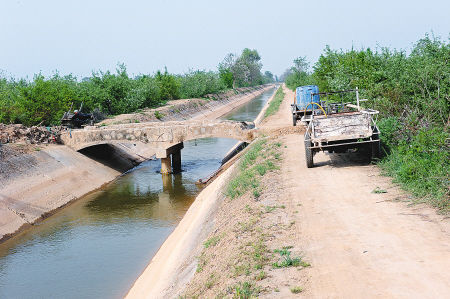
(352, 125)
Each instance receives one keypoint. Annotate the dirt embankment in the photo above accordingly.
(322, 232)
(37, 177)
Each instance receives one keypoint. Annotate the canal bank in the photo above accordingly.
(175, 262)
(93, 232)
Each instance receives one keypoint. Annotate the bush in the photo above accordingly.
(196, 84)
(44, 100)
(422, 166)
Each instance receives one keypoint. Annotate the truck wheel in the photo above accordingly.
(308, 152)
(294, 120)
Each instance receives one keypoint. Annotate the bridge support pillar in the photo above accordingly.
(176, 161)
(170, 158)
(166, 167)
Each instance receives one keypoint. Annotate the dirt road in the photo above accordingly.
(360, 244)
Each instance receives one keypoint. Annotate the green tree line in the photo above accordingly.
(412, 93)
(44, 100)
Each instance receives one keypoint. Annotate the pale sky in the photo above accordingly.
(83, 35)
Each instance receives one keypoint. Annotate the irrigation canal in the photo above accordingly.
(98, 246)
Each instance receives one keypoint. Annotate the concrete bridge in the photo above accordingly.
(166, 138)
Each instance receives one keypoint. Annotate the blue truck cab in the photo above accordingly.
(304, 95)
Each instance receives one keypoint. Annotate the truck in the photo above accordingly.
(336, 123)
(304, 100)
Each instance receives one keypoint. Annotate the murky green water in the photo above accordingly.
(98, 246)
(251, 110)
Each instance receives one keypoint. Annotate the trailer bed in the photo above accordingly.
(342, 126)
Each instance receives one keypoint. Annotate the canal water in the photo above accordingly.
(99, 245)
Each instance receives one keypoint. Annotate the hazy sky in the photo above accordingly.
(84, 35)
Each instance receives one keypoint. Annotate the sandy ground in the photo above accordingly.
(360, 244)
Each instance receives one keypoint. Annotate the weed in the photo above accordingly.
(159, 115)
(210, 281)
(242, 269)
(249, 169)
(212, 241)
(248, 226)
(288, 261)
(259, 251)
(275, 103)
(260, 276)
(244, 290)
(261, 169)
(296, 290)
(270, 209)
(201, 263)
(378, 190)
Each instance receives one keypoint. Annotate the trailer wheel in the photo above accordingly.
(376, 149)
(376, 146)
(308, 152)
(294, 120)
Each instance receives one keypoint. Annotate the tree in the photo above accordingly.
(268, 76)
(243, 70)
(301, 65)
(225, 73)
(298, 74)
